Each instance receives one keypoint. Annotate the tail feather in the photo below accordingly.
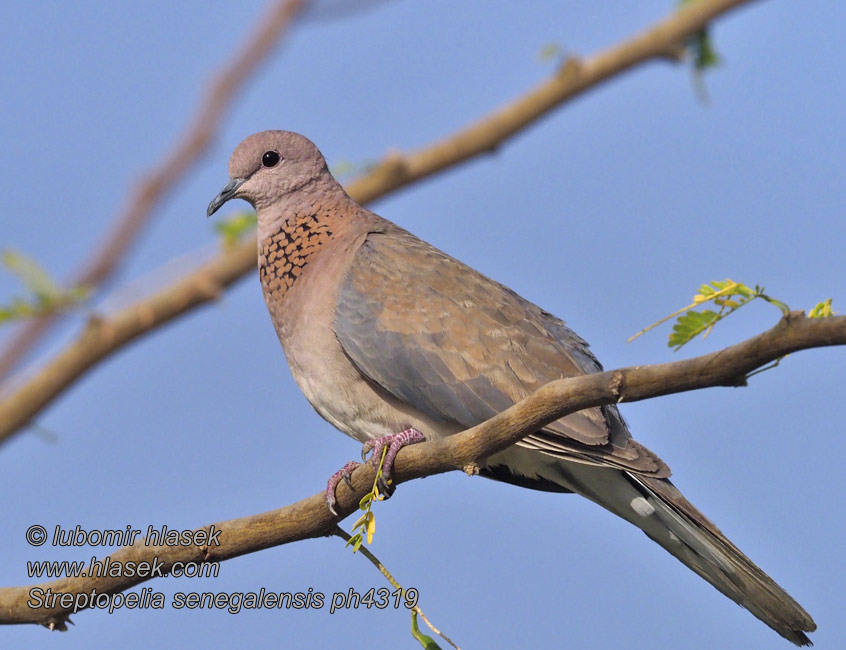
(673, 522)
(656, 507)
(704, 548)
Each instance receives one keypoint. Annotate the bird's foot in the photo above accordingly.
(342, 474)
(394, 442)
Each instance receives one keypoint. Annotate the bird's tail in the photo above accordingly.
(658, 508)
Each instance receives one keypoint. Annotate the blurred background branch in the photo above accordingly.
(101, 265)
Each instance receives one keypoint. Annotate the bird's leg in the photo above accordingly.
(343, 473)
(394, 442)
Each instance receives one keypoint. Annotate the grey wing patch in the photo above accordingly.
(459, 347)
(409, 367)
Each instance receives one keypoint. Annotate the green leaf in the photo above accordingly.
(234, 227)
(821, 310)
(17, 310)
(352, 540)
(344, 168)
(370, 525)
(549, 52)
(690, 325)
(31, 274)
(45, 296)
(702, 50)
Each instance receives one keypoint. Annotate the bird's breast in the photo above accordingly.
(300, 275)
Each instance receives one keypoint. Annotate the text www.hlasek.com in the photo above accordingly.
(107, 568)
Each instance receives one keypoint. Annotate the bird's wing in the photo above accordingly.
(460, 347)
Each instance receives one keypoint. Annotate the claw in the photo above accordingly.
(386, 489)
(342, 474)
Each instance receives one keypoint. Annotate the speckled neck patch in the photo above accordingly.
(287, 253)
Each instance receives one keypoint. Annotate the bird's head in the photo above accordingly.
(268, 166)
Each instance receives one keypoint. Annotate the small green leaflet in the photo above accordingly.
(347, 168)
(31, 274)
(45, 296)
(688, 326)
(234, 227)
(550, 52)
(822, 309)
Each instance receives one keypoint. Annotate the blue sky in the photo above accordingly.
(608, 213)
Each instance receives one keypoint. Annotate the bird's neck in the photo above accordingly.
(301, 232)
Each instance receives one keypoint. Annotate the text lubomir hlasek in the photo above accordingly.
(162, 536)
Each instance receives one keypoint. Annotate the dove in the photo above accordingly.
(394, 342)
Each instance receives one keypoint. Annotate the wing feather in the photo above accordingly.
(461, 347)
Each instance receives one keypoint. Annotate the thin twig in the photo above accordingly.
(344, 535)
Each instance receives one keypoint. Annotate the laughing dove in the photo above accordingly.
(392, 340)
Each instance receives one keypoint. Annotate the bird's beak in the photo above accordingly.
(226, 193)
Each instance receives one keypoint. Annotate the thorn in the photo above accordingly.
(471, 469)
(616, 385)
(570, 68)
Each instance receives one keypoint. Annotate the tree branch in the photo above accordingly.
(310, 518)
(574, 77)
(156, 185)
(485, 135)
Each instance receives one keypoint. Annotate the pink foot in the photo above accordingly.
(394, 442)
(343, 473)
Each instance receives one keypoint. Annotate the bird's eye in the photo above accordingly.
(270, 159)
